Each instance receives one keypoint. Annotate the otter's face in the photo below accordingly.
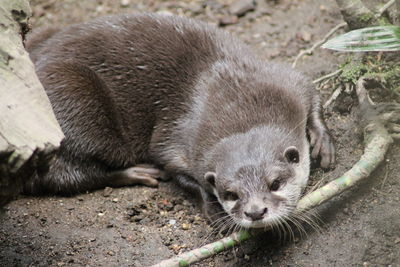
(258, 195)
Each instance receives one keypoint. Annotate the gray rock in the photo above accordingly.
(228, 20)
(241, 7)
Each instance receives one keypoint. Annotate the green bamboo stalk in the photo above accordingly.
(377, 143)
(206, 251)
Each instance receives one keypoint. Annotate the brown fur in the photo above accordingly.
(133, 89)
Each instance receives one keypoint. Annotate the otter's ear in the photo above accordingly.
(292, 155)
(210, 177)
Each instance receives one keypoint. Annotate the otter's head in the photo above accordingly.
(259, 176)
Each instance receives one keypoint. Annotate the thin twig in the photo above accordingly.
(385, 7)
(333, 97)
(321, 85)
(319, 43)
(317, 184)
(386, 176)
(328, 76)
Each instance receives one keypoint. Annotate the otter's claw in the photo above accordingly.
(211, 208)
(322, 145)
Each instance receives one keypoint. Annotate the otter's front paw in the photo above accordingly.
(211, 207)
(322, 145)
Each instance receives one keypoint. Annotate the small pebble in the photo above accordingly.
(178, 207)
(111, 253)
(305, 36)
(115, 200)
(196, 9)
(185, 226)
(165, 12)
(107, 191)
(175, 248)
(228, 20)
(172, 222)
(124, 3)
(241, 7)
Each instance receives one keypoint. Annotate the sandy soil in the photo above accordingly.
(139, 226)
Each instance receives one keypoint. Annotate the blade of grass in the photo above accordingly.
(380, 38)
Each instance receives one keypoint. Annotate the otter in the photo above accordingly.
(145, 96)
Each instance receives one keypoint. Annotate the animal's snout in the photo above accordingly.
(256, 213)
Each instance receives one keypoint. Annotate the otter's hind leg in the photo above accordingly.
(95, 147)
(67, 176)
(140, 174)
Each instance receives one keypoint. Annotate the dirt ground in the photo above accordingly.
(139, 226)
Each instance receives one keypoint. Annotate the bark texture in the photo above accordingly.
(356, 14)
(29, 131)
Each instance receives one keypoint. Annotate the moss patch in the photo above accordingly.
(384, 70)
(352, 71)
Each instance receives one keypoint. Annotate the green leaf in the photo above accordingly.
(381, 38)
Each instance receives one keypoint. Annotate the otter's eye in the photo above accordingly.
(275, 185)
(230, 196)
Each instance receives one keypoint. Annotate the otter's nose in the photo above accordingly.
(256, 214)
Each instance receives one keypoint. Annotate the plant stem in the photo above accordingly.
(319, 43)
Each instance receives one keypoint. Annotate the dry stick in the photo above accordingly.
(385, 7)
(377, 142)
(318, 44)
(385, 178)
(328, 76)
(336, 93)
(333, 97)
